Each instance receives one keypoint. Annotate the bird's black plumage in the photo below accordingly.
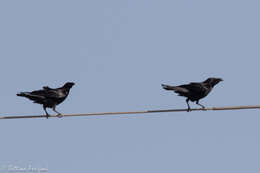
(194, 91)
(49, 97)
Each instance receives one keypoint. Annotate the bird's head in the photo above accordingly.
(69, 85)
(213, 81)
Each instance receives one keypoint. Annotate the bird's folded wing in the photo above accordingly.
(196, 87)
(46, 93)
(54, 93)
(34, 95)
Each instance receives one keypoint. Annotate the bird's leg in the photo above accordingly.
(187, 101)
(58, 114)
(47, 115)
(197, 102)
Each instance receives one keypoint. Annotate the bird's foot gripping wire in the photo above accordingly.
(47, 115)
(203, 107)
(187, 101)
(59, 115)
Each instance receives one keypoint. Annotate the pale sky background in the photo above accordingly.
(118, 53)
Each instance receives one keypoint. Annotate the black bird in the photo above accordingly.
(49, 97)
(194, 91)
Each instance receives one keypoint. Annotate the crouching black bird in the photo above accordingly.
(49, 97)
(194, 91)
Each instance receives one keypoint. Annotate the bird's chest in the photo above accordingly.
(207, 91)
(61, 96)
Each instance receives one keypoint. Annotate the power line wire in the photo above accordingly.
(135, 112)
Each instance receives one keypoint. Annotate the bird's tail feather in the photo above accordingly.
(29, 95)
(23, 94)
(177, 89)
(168, 87)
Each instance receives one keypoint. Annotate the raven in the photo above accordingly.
(49, 97)
(194, 91)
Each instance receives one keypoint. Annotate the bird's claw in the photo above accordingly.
(59, 115)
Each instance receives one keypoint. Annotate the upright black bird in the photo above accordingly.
(49, 97)
(194, 91)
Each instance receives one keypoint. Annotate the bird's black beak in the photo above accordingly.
(221, 80)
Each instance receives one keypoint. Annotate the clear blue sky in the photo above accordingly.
(118, 53)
